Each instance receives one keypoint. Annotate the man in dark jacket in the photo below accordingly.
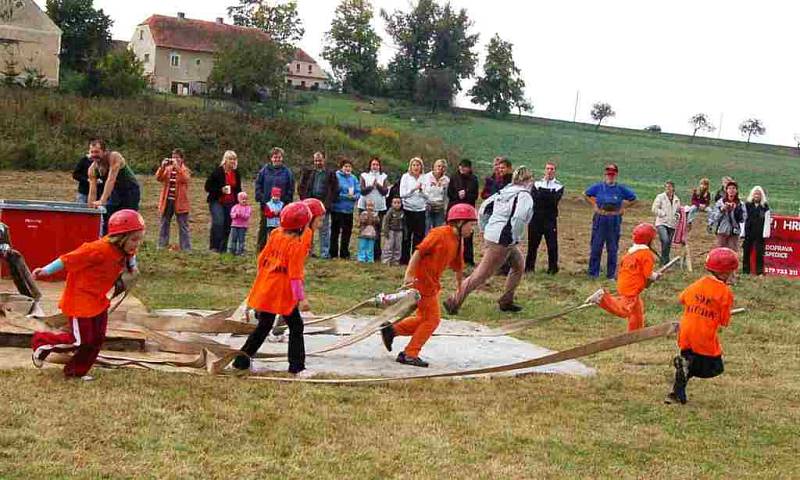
(546, 194)
(320, 182)
(273, 174)
(463, 188)
(500, 177)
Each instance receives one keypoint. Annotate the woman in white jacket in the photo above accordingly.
(374, 187)
(434, 186)
(666, 207)
(504, 218)
(414, 207)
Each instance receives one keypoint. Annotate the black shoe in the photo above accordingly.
(450, 307)
(413, 361)
(241, 363)
(387, 333)
(511, 307)
(553, 271)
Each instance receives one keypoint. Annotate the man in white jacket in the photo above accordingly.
(504, 219)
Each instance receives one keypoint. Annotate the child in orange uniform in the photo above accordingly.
(278, 288)
(706, 307)
(92, 270)
(440, 249)
(635, 274)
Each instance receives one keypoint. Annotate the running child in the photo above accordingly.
(635, 274)
(441, 248)
(92, 270)
(707, 306)
(279, 288)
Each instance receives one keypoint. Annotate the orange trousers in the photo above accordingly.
(421, 326)
(631, 308)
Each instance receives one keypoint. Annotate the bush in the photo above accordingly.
(653, 129)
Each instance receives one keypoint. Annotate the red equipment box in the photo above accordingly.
(782, 248)
(41, 231)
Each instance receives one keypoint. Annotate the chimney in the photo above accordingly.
(181, 16)
(220, 20)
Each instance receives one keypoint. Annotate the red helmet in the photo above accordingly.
(317, 207)
(295, 216)
(462, 211)
(125, 221)
(722, 260)
(644, 233)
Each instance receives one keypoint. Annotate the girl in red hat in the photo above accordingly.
(279, 287)
(707, 306)
(92, 270)
(635, 274)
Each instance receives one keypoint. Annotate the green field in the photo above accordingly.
(137, 424)
(645, 160)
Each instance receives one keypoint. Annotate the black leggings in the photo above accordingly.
(297, 348)
(750, 246)
(413, 233)
(341, 230)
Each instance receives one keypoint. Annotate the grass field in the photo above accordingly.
(134, 424)
(645, 160)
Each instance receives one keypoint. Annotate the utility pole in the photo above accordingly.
(575, 112)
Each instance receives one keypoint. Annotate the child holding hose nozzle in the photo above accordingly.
(441, 248)
(635, 274)
(706, 307)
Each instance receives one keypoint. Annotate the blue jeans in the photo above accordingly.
(665, 235)
(237, 240)
(605, 230)
(366, 250)
(220, 226)
(82, 198)
(325, 237)
(434, 219)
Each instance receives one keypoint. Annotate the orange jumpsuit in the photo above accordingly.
(634, 270)
(707, 306)
(281, 261)
(438, 251)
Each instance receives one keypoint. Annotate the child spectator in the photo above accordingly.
(240, 219)
(272, 211)
(706, 307)
(635, 274)
(368, 223)
(393, 233)
(92, 270)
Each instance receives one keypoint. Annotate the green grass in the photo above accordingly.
(645, 160)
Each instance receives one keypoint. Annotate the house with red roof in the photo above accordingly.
(178, 54)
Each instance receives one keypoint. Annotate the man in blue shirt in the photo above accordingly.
(610, 199)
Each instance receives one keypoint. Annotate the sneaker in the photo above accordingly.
(511, 307)
(450, 307)
(36, 310)
(306, 373)
(595, 297)
(87, 378)
(37, 358)
(241, 362)
(413, 361)
(271, 338)
(671, 399)
(387, 333)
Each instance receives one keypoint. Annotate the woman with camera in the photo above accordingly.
(174, 201)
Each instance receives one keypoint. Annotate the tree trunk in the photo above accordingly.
(748, 137)
(691, 140)
(597, 127)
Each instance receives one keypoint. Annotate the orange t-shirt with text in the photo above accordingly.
(91, 270)
(707, 306)
(437, 251)
(281, 261)
(633, 272)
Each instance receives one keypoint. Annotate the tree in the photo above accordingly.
(500, 88)
(247, 66)
(86, 32)
(653, 128)
(432, 42)
(435, 88)
(752, 126)
(601, 111)
(119, 74)
(700, 122)
(280, 20)
(797, 140)
(351, 47)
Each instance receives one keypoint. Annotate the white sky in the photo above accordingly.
(654, 63)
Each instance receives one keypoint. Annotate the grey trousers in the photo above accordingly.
(494, 256)
(183, 227)
(392, 246)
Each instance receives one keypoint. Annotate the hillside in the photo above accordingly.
(645, 160)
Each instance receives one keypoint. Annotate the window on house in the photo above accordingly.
(309, 69)
(197, 62)
(175, 60)
(146, 58)
(298, 68)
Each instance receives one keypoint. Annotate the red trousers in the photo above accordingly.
(84, 336)
(631, 308)
(421, 326)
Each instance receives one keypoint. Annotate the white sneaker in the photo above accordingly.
(277, 338)
(307, 373)
(595, 297)
(87, 378)
(37, 362)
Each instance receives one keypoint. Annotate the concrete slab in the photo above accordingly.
(445, 353)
